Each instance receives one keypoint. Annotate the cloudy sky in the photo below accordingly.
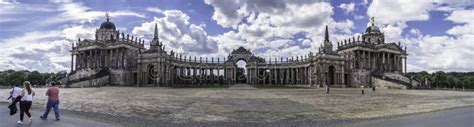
(37, 34)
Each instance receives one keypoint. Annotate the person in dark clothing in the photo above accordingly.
(327, 89)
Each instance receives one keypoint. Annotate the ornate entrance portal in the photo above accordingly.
(241, 71)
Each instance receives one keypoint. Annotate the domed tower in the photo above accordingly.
(107, 30)
(373, 34)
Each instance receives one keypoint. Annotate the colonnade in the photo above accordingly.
(380, 61)
(278, 75)
(117, 58)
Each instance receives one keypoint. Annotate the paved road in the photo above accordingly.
(461, 117)
(10, 121)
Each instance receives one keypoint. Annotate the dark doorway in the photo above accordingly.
(151, 75)
(331, 70)
(241, 71)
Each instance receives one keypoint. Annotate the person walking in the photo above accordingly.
(327, 89)
(26, 100)
(15, 92)
(53, 101)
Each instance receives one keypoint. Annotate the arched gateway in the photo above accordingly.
(115, 59)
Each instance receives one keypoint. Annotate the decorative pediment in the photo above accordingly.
(241, 50)
(391, 46)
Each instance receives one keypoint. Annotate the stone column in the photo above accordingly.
(91, 59)
(211, 75)
(249, 73)
(139, 73)
(275, 74)
(117, 58)
(342, 75)
(363, 59)
(287, 77)
(234, 74)
(309, 76)
(112, 58)
(97, 58)
(72, 62)
(102, 59)
(384, 63)
(88, 59)
(400, 63)
(78, 60)
(83, 60)
(226, 75)
(405, 63)
(370, 60)
(290, 79)
(395, 62)
(280, 76)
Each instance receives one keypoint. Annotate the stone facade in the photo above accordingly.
(126, 61)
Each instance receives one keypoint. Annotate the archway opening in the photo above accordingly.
(151, 75)
(241, 71)
(331, 72)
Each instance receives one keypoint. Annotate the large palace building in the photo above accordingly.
(113, 58)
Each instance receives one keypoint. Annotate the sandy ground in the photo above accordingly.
(252, 105)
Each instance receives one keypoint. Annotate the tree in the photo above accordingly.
(16, 77)
(440, 79)
(35, 78)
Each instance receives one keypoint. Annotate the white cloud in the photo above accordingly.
(394, 11)
(272, 26)
(80, 31)
(230, 14)
(226, 13)
(42, 51)
(178, 34)
(77, 12)
(443, 52)
(348, 8)
(463, 17)
(16, 8)
(447, 53)
(154, 9)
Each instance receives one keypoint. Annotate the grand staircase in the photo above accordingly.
(96, 79)
(394, 79)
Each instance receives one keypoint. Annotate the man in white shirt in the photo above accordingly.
(15, 92)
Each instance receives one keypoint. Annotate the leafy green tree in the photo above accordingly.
(16, 77)
(35, 78)
(440, 79)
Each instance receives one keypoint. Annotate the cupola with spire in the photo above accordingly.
(327, 45)
(373, 34)
(107, 24)
(155, 43)
(372, 28)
